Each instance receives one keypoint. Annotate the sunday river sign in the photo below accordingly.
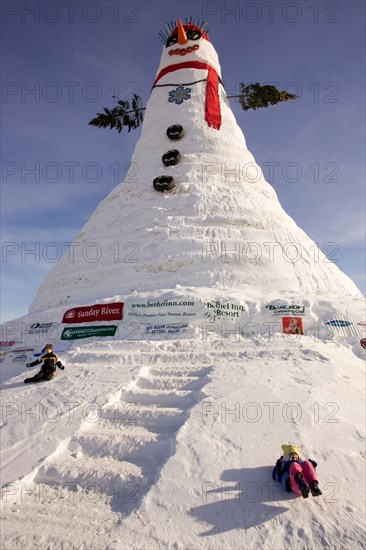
(98, 312)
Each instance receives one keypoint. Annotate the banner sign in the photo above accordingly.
(76, 333)
(286, 310)
(164, 311)
(22, 350)
(90, 314)
(189, 310)
(344, 325)
(216, 310)
(39, 327)
(16, 355)
(292, 325)
(21, 358)
(338, 323)
(166, 329)
(7, 345)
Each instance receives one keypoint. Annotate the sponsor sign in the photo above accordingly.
(155, 311)
(292, 325)
(7, 344)
(219, 310)
(76, 333)
(338, 323)
(286, 309)
(345, 325)
(39, 327)
(182, 310)
(363, 342)
(90, 314)
(22, 357)
(22, 350)
(166, 329)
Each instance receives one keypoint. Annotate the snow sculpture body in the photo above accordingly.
(220, 224)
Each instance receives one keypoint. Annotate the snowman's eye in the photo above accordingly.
(171, 40)
(193, 34)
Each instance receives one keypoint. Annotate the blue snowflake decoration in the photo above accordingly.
(179, 95)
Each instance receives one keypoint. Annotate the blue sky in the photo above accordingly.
(62, 62)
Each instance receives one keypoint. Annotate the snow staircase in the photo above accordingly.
(121, 454)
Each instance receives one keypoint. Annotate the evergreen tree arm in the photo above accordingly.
(255, 96)
(126, 114)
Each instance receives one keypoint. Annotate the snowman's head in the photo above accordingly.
(187, 42)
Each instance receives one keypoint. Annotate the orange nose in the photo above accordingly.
(182, 37)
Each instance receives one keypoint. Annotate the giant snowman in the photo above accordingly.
(194, 212)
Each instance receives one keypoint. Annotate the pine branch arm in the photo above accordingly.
(124, 115)
(255, 96)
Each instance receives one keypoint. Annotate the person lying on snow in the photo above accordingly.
(296, 474)
(48, 370)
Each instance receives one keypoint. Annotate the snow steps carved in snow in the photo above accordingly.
(154, 418)
(132, 439)
(134, 445)
(191, 371)
(182, 399)
(101, 471)
(164, 382)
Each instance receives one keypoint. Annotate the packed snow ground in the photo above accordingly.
(171, 444)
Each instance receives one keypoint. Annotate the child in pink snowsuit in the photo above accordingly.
(297, 475)
(302, 471)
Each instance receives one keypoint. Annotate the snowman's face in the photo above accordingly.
(196, 48)
(194, 39)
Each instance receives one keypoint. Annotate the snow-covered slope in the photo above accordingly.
(171, 445)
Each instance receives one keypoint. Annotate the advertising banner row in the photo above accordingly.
(150, 310)
(145, 318)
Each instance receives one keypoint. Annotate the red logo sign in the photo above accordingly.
(98, 312)
(292, 325)
(8, 344)
(363, 342)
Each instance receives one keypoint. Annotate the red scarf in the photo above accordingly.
(212, 110)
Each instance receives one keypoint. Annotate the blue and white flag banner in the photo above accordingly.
(344, 325)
